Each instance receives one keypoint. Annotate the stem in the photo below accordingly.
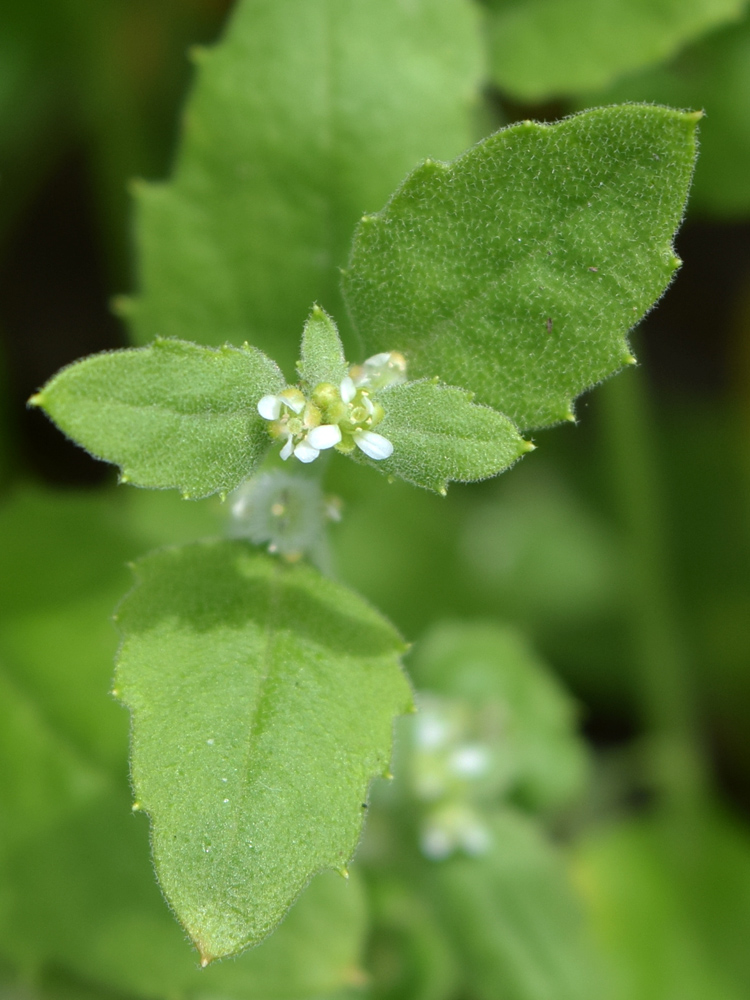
(664, 674)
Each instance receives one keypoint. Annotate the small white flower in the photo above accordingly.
(374, 445)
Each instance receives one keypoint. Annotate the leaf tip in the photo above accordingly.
(528, 446)
(387, 774)
(343, 872)
(443, 491)
(317, 311)
(36, 400)
(116, 693)
(694, 116)
(136, 807)
(630, 359)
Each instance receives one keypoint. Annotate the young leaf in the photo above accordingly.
(170, 415)
(439, 435)
(322, 352)
(545, 48)
(307, 113)
(263, 699)
(517, 270)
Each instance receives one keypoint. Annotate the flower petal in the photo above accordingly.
(269, 407)
(305, 451)
(288, 448)
(373, 445)
(324, 436)
(348, 389)
(378, 360)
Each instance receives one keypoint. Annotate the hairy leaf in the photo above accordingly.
(517, 270)
(322, 355)
(263, 699)
(170, 415)
(307, 113)
(489, 665)
(545, 48)
(713, 74)
(439, 436)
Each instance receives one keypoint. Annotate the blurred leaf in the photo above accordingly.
(546, 48)
(533, 308)
(541, 552)
(304, 116)
(515, 919)
(171, 415)
(83, 897)
(671, 901)
(714, 75)
(440, 436)
(487, 664)
(409, 955)
(263, 699)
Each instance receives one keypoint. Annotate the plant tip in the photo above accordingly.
(35, 400)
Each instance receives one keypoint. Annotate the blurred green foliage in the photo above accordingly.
(600, 892)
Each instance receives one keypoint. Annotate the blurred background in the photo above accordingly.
(620, 550)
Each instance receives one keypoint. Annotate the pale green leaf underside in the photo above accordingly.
(517, 270)
(546, 48)
(170, 415)
(308, 113)
(263, 699)
(440, 436)
(322, 354)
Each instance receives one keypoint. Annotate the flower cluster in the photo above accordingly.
(335, 416)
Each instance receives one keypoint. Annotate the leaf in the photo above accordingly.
(439, 436)
(263, 699)
(713, 74)
(529, 309)
(170, 415)
(491, 665)
(515, 920)
(546, 48)
(322, 353)
(306, 114)
(81, 896)
(670, 899)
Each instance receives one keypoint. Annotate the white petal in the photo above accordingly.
(348, 389)
(269, 407)
(378, 360)
(305, 452)
(367, 403)
(373, 445)
(324, 436)
(288, 448)
(296, 404)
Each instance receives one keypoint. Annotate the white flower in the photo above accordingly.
(270, 407)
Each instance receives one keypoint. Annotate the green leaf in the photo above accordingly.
(515, 920)
(322, 355)
(545, 48)
(670, 899)
(439, 436)
(713, 74)
(170, 415)
(517, 271)
(81, 896)
(263, 699)
(305, 115)
(488, 664)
